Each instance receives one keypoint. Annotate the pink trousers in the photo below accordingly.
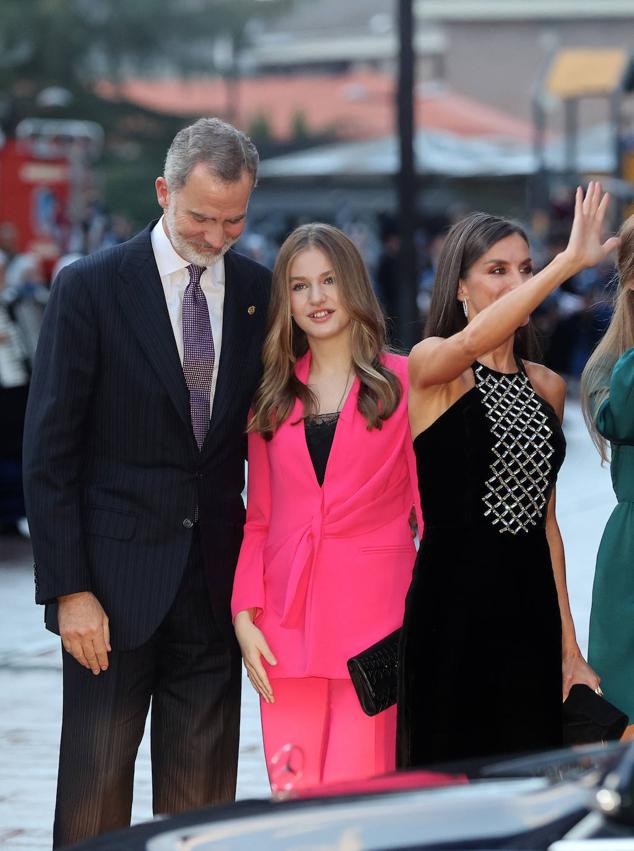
(316, 732)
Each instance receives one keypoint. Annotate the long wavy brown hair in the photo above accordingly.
(285, 342)
(618, 338)
(466, 242)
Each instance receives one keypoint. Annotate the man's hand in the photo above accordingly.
(83, 627)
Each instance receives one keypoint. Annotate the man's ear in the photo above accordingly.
(162, 192)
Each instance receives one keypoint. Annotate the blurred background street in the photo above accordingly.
(30, 717)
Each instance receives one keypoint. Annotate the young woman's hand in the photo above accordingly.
(253, 646)
(576, 670)
(585, 246)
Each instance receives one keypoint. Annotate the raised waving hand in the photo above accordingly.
(585, 246)
(436, 360)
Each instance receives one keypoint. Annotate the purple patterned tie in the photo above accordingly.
(198, 352)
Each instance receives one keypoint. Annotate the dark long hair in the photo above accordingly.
(466, 242)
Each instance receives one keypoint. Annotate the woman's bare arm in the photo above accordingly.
(437, 361)
(575, 669)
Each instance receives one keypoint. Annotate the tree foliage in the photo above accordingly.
(70, 43)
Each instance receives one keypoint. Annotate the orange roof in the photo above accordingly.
(357, 105)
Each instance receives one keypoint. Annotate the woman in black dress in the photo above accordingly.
(488, 629)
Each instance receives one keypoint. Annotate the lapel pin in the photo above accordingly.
(251, 309)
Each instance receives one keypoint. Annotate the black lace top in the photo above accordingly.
(320, 432)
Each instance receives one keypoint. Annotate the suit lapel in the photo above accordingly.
(142, 298)
(294, 429)
(341, 443)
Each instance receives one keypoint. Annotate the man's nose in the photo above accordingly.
(214, 236)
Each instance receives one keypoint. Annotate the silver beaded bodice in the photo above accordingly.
(517, 488)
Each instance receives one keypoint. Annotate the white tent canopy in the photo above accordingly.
(444, 154)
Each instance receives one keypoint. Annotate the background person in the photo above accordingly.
(607, 387)
(328, 551)
(15, 370)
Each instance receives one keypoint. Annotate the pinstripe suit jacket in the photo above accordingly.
(113, 474)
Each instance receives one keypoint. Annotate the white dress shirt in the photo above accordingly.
(175, 278)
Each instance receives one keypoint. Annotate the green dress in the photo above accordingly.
(611, 646)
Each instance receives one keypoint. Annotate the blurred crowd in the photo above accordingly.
(25, 281)
(23, 296)
(570, 322)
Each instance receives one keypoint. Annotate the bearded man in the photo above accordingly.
(134, 465)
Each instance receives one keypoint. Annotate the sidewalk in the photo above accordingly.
(30, 674)
(30, 717)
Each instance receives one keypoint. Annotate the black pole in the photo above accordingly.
(616, 120)
(571, 132)
(539, 181)
(408, 325)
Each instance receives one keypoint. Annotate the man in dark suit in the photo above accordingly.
(134, 462)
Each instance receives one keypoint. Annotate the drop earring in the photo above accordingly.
(465, 307)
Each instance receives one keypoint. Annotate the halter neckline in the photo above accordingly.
(519, 371)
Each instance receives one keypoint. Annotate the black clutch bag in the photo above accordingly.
(374, 674)
(588, 717)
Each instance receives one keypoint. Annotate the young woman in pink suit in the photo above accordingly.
(328, 553)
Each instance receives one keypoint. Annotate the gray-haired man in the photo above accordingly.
(134, 457)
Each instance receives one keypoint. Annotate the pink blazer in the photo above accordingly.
(328, 567)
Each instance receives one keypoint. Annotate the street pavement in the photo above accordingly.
(30, 671)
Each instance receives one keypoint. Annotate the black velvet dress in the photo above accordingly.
(480, 667)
